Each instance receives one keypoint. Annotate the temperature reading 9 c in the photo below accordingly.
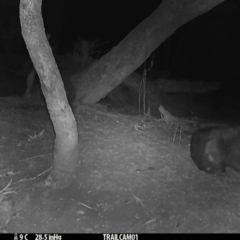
(23, 236)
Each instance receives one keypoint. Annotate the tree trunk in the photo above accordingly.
(107, 73)
(66, 148)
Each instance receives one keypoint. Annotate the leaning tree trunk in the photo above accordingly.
(65, 152)
(107, 73)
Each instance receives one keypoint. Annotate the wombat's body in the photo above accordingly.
(214, 149)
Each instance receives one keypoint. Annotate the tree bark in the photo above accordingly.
(66, 148)
(107, 73)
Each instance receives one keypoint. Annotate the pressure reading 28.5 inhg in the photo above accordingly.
(41, 237)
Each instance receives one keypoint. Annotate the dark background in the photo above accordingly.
(206, 48)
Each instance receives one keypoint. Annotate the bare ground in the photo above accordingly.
(132, 177)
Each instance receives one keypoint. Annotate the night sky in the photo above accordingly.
(110, 20)
(205, 48)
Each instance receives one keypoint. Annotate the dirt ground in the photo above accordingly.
(135, 175)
